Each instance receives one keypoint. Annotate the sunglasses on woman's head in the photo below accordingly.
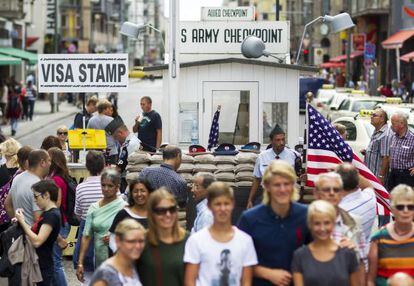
(163, 211)
(402, 207)
(62, 133)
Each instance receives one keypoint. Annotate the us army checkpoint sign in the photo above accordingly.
(82, 72)
(219, 38)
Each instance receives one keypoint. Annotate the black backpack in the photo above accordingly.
(70, 202)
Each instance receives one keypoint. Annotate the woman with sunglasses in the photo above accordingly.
(62, 135)
(99, 219)
(161, 262)
(322, 262)
(220, 254)
(45, 230)
(391, 249)
(119, 270)
(139, 191)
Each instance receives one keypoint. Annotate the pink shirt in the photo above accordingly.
(60, 182)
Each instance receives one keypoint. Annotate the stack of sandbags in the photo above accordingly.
(225, 169)
(156, 160)
(244, 169)
(186, 169)
(204, 163)
(137, 161)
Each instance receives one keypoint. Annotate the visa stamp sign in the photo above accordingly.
(217, 38)
(227, 14)
(82, 72)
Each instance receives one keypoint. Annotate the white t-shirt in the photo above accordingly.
(221, 263)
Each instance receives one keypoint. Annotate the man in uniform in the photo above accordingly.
(279, 151)
(129, 143)
(149, 126)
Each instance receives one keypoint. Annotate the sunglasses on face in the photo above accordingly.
(164, 211)
(403, 207)
(62, 133)
(328, 190)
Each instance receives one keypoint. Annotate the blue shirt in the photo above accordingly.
(165, 176)
(269, 155)
(275, 238)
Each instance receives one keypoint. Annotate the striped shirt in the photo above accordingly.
(378, 147)
(87, 193)
(393, 255)
(349, 226)
(402, 151)
(361, 203)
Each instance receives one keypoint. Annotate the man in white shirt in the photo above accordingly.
(279, 151)
(204, 217)
(358, 202)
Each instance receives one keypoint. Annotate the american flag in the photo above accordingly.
(327, 149)
(214, 130)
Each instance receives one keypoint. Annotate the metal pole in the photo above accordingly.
(348, 52)
(303, 36)
(397, 54)
(55, 107)
(277, 9)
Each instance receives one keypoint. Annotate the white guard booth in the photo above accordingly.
(254, 95)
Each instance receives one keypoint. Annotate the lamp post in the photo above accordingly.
(338, 23)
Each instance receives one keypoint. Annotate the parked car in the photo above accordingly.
(359, 131)
(340, 95)
(352, 105)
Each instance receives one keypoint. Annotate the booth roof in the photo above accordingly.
(235, 60)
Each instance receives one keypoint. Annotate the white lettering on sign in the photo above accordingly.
(83, 72)
(227, 14)
(50, 16)
(227, 39)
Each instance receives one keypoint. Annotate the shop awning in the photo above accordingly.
(22, 54)
(7, 60)
(333, 65)
(407, 57)
(343, 57)
(397, 40)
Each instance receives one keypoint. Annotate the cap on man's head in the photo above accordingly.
(114, 125)
(276, 131)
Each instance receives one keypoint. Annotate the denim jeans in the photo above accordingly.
(59, 276)
(31, 109)
(13, 122)
(89, 260)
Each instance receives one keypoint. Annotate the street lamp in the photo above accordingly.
(338, 23)
(133, 30)
(253, 47)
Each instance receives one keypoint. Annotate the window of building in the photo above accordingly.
(274, 113)
(188, 123)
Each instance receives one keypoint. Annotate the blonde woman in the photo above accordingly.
(119, 270)
(277, 226)
(62, 135)
(161, 262)
(391, 248)
(322, 262)
(8, 150)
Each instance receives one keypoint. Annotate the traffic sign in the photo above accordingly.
(369, 53)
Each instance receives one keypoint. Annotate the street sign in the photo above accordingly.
(369, 52)
(83, 72)
(317, 56)
(216, 38)
(51, 16)
(227, 14)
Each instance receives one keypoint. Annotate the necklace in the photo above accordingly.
(403, 233)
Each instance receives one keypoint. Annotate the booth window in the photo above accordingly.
(234, 115)
(188, 123)
(274, 113)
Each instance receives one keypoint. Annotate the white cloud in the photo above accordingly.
(190, 10)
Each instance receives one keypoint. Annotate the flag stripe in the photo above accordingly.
(327, 149)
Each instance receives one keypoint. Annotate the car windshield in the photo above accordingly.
(358, 105)
(370, 129)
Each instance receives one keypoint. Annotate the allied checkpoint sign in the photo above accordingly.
(83, 72)
(208, 37)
